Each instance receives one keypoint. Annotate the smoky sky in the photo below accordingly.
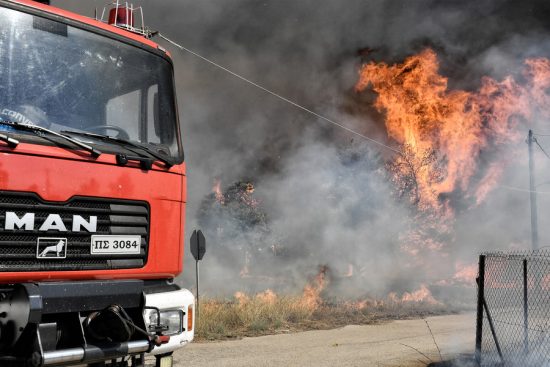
(307, 50)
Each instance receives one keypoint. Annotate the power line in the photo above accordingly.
(512, 188)
(541, 148)
(279, 96)
(295, 104)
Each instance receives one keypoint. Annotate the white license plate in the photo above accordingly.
(107, 244)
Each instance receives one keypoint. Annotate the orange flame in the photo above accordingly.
(422, 294)
(311, 297)
(466, 273)
(217, 190)
(443, 131)
(241, 298)
(267, 296)
(359, 305)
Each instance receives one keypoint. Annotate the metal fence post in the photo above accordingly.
(525, 310)
(480, 299)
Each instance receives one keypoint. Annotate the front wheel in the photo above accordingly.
(110, 364)
(135, 361)
(164, 360)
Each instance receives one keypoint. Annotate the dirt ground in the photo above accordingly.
(395, 343)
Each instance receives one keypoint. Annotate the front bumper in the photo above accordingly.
(42, 324)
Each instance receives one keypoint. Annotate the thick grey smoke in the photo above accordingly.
(325, 192)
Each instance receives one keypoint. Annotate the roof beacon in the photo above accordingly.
(124, 15)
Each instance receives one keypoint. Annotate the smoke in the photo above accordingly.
(325, 193)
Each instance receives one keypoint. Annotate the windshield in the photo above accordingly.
(64, 78)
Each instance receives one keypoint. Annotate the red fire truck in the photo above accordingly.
(92, 191)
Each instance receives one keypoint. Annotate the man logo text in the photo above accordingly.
(53, 222)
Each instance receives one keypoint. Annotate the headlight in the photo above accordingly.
(173, 319)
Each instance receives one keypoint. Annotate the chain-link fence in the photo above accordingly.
(513, 311)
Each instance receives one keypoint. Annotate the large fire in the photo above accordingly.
(443, 132)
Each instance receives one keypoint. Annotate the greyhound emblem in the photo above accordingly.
(58, 249)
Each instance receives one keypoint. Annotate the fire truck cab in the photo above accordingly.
(92, 191)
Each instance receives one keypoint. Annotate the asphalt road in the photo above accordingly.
(396, 343)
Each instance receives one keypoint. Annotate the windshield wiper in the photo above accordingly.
(12, 143)
(125, 143)
(37, 129)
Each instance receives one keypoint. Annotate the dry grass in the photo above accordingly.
(247, 316)
(266, 313)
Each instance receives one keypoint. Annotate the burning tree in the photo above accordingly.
(236, 209)
(236, 222)
(429, 230)
(449, 138)
(424, 116)
(406, 169)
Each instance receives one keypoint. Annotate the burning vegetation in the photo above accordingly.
(237, 224)
(237, 203)
(268, 312)
(453, 147)
(443, 132)
(444, 135)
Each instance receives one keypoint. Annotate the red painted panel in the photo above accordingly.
(64, 174)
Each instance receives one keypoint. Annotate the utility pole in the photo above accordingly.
(533, 193)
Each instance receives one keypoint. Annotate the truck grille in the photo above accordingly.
(18, 248)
